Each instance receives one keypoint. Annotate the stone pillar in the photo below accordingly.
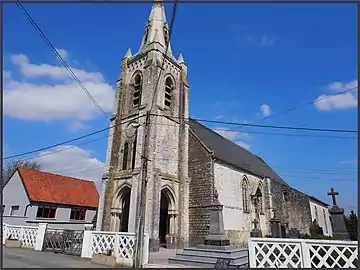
(171, 238)
(338, 223)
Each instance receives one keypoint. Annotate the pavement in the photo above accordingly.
(28, 258)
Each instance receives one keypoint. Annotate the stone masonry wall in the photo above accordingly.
(291, 206)
(201, 173)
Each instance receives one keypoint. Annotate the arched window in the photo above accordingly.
(325, 221)
(169, 85)
(133, 155)
(137, 90)
(125, 156)
(316, 215)
(166, 37)
(262, 199)
(146, 37)
(245, 194)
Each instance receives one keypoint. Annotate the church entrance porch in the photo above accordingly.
(167, 235)
(120, 213)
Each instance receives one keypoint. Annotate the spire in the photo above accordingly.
(128, 53)
(156, 29)
(180, 59)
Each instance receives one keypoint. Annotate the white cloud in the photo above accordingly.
(235, 136)
(63, 53)
(63, 99)
(341, 101)
(76, 126)
(244, 145)
(353, 161)
(6, 75)
(265, 110)
(74, 162)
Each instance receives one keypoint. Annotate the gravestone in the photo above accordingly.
(294, 233)
(275, 225)
(337, 219)
(282, 231)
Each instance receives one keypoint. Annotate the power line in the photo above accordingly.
(265, 126)
(68, 141)
(308, 103)
(51, 46)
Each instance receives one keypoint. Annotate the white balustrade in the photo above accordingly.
(120, 243)
(302, 253)
(26, 234)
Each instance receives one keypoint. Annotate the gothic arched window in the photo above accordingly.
(146, 36)
(125, 156)
(169, 85)
(137, 90)
(245, 194)
(325, 221)
(133, 155)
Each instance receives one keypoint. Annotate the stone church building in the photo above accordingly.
(187, 161)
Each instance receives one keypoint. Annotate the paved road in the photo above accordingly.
(27, 258)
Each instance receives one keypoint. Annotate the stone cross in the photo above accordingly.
(333, 193)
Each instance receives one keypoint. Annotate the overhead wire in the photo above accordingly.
(64, 63)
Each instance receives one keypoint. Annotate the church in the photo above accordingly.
(187, 162)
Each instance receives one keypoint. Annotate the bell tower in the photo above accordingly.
(152, 80)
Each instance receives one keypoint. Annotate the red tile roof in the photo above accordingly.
(58, 189)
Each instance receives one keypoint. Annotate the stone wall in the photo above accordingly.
(201, 174)
(291, 206)
(237, 223)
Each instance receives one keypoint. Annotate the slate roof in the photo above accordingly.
(58, 189)
(232, 153)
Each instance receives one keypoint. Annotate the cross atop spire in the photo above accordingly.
(156, 29)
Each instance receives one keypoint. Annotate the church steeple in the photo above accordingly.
(156, 30)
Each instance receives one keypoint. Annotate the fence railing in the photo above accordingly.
(121, 243)
(302, 253)
(26, 234)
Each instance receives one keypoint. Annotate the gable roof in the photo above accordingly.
(232, 153)
(317, 200)
(58, 189)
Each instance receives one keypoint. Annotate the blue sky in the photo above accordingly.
(240, 58)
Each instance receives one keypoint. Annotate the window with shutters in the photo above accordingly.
(137, 90)
(169, 85)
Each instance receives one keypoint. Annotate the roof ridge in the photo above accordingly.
(56, 174)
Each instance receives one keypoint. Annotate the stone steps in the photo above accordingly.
(206, 258)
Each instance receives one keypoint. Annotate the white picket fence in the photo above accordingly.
(94, 242)
(26, 234)
(302, 253)
(121, 243)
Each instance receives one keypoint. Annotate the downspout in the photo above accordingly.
(26, 208)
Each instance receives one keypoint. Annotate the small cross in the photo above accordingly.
(333, 193)
(255, 222)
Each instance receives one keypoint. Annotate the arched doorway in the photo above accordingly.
(121, 210)
(164, 218)
(125, 209)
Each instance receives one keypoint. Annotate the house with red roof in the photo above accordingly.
(31, 197)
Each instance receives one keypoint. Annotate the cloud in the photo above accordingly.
(6, 75)
(265, 110)
(353, 161)
(347, 100)
(63, 53)
(76, 126)
(261, 41)
(244, 145)
(62, 99)
(72, 161)
(235, 136)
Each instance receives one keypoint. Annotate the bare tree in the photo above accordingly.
(9, 168)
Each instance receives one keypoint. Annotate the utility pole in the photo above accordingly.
(140, 219)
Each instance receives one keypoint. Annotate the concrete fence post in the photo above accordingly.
(5, 233)
(86, 250)
(306, 260)
(40, 236)
(146, 249)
